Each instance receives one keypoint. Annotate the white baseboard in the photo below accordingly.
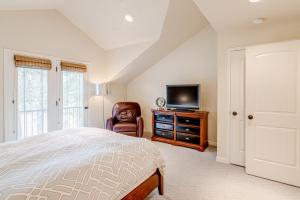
(222, 160)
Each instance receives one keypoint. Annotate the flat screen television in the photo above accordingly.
(183, 97)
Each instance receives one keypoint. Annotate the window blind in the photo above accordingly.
(32, 62)
(75, 67)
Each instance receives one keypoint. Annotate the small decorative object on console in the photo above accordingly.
(160, 102)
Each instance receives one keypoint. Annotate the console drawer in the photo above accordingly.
(185, 129)
(193, 139)
(187, 120)
(164, 134)
(164, 126)
(164, 118)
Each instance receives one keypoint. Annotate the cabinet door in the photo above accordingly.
(272, 106)
(237, 116)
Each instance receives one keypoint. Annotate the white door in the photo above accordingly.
(272, 108)
(237, 114)
(73, 109)
(38, 100)
(32, 102)
(35, 97)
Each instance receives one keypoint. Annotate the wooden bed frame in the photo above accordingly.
(144, 189)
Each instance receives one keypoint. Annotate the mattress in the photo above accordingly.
(76, 164)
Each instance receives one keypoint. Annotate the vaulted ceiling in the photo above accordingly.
(104, 20)
(158, 26)
(29, 4)
(183, 20)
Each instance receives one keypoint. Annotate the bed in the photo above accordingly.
(80, 164)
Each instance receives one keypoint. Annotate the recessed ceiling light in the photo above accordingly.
(259, 21)
(129, 18)
(254, 1)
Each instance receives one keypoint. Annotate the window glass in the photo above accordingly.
(32, 85)
(73, 99)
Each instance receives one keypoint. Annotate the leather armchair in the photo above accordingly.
(126, 119)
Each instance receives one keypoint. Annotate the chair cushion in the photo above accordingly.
(126, 111)
(125, 127)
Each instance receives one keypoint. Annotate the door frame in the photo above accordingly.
(9, 72)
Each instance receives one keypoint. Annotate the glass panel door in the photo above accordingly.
(32, 102)
(38, 101)
(73, 99)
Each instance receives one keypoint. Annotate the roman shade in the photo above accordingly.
(75, 67)
(32, 62)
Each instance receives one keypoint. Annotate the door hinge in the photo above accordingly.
(56, 103)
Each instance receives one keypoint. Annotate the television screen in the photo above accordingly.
(183, 96)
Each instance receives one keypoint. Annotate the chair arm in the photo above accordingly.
(110, 124)
(140, 127)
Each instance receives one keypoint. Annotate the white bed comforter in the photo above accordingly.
(76, 164)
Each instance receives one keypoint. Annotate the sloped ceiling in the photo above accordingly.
(159, 26)
(29, 4)
(183, 20)
(104, 20)
(118, 59)
(239, 14)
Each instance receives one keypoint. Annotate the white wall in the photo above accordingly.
(47, 32)
(195, 61)
(118, 93)
(264, 33)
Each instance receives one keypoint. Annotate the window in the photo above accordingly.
(32, 104)
(42, 95)
(73, 99)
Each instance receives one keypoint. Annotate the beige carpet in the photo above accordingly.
(192, 175)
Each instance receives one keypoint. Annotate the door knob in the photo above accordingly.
(250, 117)
(234, 113)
